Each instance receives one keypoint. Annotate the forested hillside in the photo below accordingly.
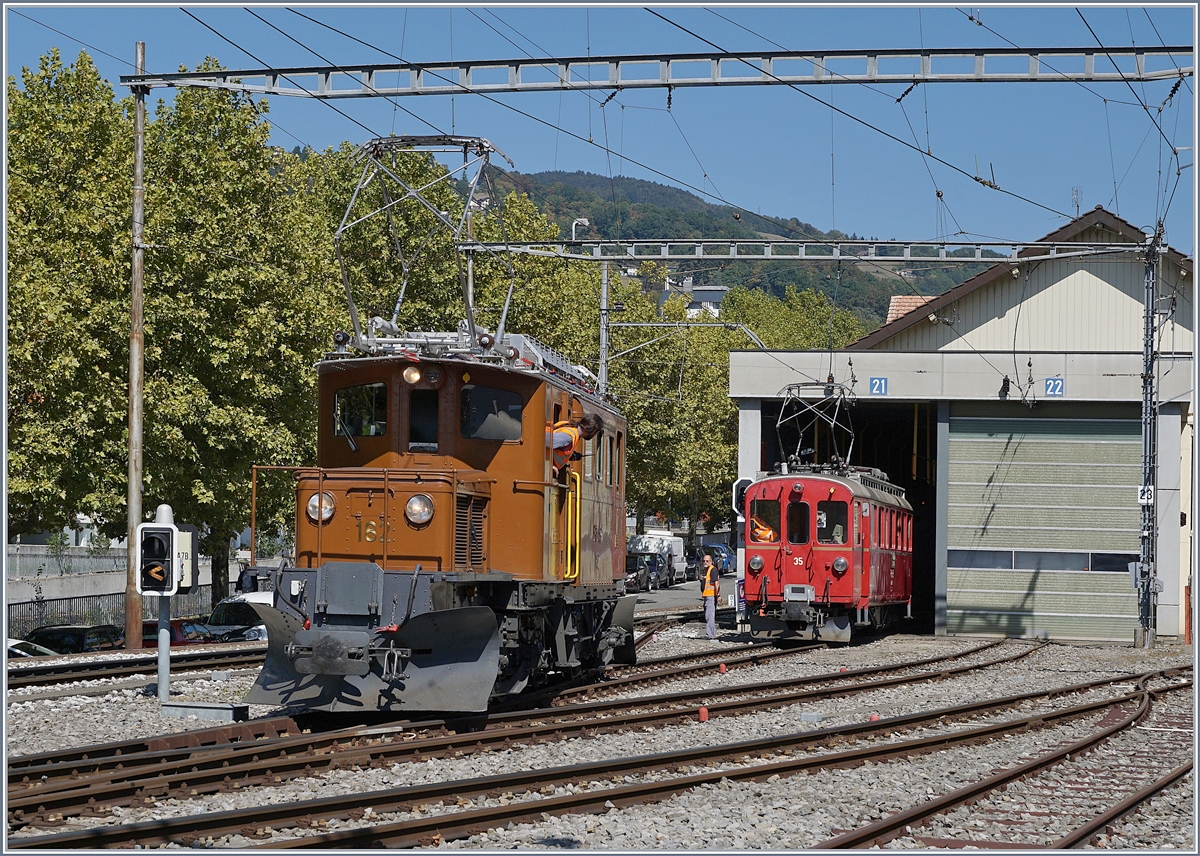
(629, 208)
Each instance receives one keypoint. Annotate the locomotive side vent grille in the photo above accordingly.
(470, 515)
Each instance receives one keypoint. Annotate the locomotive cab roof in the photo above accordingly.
(513, 352)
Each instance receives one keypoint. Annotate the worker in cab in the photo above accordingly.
(761, 532)
(569, 437)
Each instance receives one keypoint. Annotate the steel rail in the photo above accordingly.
(31, 676)
(129, 754)
(877, 834)
(462, 824)
(68, 789)
(253, 820)
(124, 751)
(1092, 828)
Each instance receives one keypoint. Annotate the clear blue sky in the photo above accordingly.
(767, 149)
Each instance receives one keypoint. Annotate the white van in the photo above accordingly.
(661, 541)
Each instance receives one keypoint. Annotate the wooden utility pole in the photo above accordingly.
(137, 340)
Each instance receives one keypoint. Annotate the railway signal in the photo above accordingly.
(158, 566)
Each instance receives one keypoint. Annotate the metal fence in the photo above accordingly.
(100, 609)
(32, 560)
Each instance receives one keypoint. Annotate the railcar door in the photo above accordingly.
(860, 525)
(763, 531)
(798, 541)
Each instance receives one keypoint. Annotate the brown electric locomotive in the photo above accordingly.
(439, 559)
(827, 549)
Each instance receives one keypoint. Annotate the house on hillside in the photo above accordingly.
(1009, 409)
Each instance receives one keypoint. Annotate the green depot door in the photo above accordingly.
(1041, 523)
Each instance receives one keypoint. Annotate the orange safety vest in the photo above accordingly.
(760, 531)
(563, 456)
(711, 581)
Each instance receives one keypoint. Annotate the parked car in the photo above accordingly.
(234, 619)
(78, 638)
(669, 547)
(694, 557)
(641, 571)
(183, 632)
(727, 556)
(19, 648)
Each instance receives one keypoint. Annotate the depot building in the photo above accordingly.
(1010, 411)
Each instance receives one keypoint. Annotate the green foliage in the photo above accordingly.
(237, 308)
(243, 292)
(69, 197)
(238, 303)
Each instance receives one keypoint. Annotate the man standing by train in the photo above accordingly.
(710, 590)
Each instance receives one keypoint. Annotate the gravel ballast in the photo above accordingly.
(792, 812)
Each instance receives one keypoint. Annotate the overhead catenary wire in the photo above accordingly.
(1164, 44)
(682, 183)
(1041, 61)
(939, 196)
(1141, 103)
(862, 122)
(73, 38)
(225, 38)
(286, 35)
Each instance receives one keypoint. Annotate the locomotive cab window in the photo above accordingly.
(360, 411)
(490, 414)
(423, 420)
(764, 521)
(831, 522)
(797, 523)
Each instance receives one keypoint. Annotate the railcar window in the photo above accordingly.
(587, 458)
(764, 521)
(857, 523)
(490, 414)
(610, 461)
(360, 411)
(831, 522)
(797, 523)
(423, 420)
(620, 457)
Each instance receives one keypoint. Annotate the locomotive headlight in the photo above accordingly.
(419, 509)
(320, 507)
(840, 565)
(412, 375)
(756, 563)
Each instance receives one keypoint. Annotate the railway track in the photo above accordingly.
(123, 667)
(759, 760)
(21, 676)
(1056, 790)
(43, 788)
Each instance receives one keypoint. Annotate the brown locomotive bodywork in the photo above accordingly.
(438, 560)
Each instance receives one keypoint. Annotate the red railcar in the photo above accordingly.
(826, 550)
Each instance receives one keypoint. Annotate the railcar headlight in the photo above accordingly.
(320, 507)
(840, 565)
(756, 563)
(412, 375)
(419, 509)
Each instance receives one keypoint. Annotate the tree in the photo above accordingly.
(69, 199)
(239, 303)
